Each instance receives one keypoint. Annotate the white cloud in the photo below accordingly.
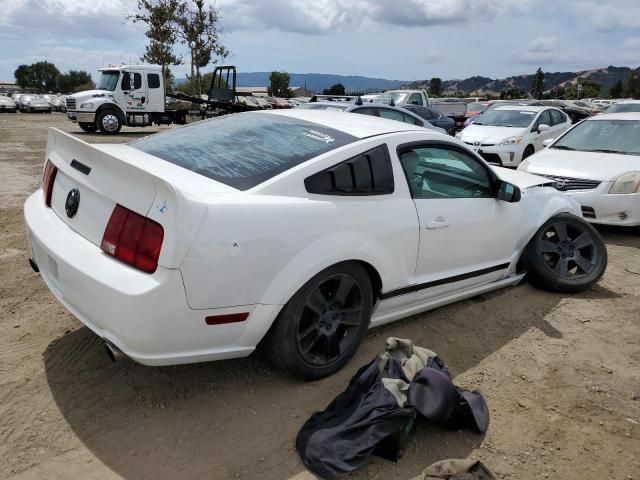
(608, 15)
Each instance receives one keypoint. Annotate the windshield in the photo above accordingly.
(624, 107)
(609, 136)
(506, 118)
(245, 149)
(108, 81)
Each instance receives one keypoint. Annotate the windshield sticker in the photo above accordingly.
(323, 137)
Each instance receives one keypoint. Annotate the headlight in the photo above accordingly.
(627, 183)
(511, 140)
(86, 105)
(459, 135)
(524, 166)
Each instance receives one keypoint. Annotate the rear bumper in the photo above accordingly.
(145, 316)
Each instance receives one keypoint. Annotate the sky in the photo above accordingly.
(394, 39)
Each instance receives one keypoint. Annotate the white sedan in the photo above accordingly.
(507, 135)
(597, 163)
(298, 228)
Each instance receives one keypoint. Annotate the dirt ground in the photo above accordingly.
(561, 375)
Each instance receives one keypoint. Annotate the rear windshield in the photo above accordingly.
(623, 108)
(243, 150)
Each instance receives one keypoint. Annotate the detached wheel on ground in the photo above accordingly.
(87, 127)
(108, 122)
(566, 255)
(321, 327)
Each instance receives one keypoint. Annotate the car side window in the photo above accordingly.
(415, 99)
(441, 172)
(125, 84)
(556, 117)
(153, 80)
(391, 114)
(364, 111)
(137, 81)
(412, 120)
(544, 119)
(369, 173)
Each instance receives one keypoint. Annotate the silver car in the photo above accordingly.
(7, 105)
(34, 103)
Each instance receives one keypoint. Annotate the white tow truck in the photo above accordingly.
(135, 95)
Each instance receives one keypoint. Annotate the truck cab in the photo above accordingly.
(132, 95)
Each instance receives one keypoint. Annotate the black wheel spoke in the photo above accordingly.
(350, 310)
(583, 264)
(561, 230)
(562, 267)
(306, 348)
(344, 289)
(350, 322)
(583, 240)
(547, 246)
(307, 331)
(316, 301)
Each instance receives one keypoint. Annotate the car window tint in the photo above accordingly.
(245, 149)
(439, 172)
(391, 114)
(544, 118)
(434, 114)
(153, 80)
(364, 111)
(412, 120)
(556, 117)
(137, 81)
(415, 99)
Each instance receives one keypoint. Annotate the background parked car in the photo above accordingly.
(34, 103)
(434, 117)
(624, 106)
(7, 105)
(506, 135)
(575, 112)
(597, 163)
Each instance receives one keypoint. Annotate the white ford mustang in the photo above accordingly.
(297, 228)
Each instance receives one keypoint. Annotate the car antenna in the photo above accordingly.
(359, 100)
(392, 103)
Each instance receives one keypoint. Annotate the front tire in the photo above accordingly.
(88, 127)
(321, 327)
(108, 122)
(567, 254)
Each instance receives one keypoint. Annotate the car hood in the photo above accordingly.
(591, 165)
(520, 179)
(7, 101)
(489, 134)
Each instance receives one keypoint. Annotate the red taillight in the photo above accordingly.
(133, 239)
(48, 178)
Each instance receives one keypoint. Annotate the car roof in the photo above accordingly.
(359, 126)
(616, 116)
(522, 108)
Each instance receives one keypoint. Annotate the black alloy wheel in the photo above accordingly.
(567, 254)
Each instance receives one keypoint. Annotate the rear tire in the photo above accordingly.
(109, 122)
(88, 127)
(321, 327)
(567, 254)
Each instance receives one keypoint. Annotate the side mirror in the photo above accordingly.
(508, 192)
(543, 127)
(548, 142)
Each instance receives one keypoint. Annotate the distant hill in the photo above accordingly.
(606, 77)
(320, 81)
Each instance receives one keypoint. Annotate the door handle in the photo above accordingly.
(433, 225)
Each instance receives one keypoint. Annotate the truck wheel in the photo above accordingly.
(565, 255)
(108, 122)
(87, 127)
(321, 327)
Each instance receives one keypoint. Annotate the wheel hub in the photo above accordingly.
(329, 320)
(110, 122)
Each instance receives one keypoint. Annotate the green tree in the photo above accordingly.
(537, 86)
(205, 80)
(69, 82)
(161, 17)
(632, 85)
(23, 76)
(589, 89)
(279, 85)
(200, 32)
(435, 87)
(616, 90)
(337, 89)
(511, 93)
